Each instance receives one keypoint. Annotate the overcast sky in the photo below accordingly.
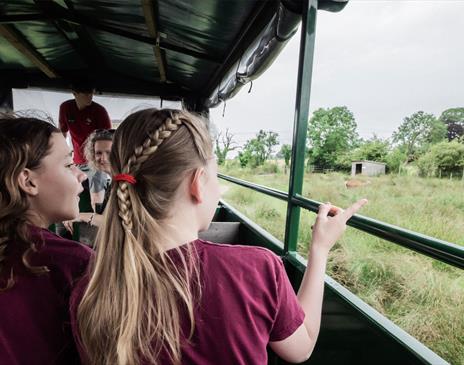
(384, 60)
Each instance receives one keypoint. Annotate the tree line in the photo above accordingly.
(435, 145)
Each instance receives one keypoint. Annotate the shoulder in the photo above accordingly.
(67, 104)
(59, 251)
(97, 107)
(242, 256)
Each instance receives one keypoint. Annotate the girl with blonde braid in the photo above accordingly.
(39, 185)
(156, 294)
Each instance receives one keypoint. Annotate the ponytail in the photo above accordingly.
(132, 307)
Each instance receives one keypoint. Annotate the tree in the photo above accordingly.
(244, 157)
(286, 152)
(223, 145)
(257, 150)
(418, 132)
(270, 139)
(447, 157)
(453, 118)
(395, 159)
(374, 149)
(331, 133)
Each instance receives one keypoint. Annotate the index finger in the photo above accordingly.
(324, 210)
(350, 211)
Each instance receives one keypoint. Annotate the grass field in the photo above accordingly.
(421, 295)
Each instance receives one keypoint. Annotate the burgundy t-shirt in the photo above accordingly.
(247, 301)
(80, 123)
(34, 313)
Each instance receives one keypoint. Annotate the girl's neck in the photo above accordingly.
(177, 236)
(179, 229)
(36, 220)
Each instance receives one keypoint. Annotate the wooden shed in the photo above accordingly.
(368, 168)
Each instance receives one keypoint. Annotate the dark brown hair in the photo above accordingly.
(24, 142)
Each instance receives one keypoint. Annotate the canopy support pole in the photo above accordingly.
(6, 100)
(300, 126)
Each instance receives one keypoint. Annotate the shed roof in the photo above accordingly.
(367, 161)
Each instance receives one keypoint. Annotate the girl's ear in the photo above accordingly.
(26, 182)
(196, 185)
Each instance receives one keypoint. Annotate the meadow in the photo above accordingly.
(421, 295)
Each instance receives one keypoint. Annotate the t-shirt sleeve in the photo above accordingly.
(289, 314)
(62, 119)
(104, 121)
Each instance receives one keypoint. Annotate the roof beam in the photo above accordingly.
(44, 6)
(57, 12)
(148, 7)
(16, 18)
(84, 45)
(110, 84)
(18, 41)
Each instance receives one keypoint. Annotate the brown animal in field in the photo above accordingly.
(355, 183)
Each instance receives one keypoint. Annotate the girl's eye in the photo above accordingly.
(70, 165)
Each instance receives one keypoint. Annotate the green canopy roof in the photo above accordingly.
(202, 51)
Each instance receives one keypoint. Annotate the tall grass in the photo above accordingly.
(421, 295)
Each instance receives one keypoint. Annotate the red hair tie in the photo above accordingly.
(125, 177)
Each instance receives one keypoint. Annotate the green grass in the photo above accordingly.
(423, 296)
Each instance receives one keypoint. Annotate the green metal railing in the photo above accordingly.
(437, 249)
(443, 251)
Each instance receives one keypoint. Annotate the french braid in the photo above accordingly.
(141, 153)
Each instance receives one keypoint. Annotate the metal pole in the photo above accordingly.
(6, 100)
(300, 125)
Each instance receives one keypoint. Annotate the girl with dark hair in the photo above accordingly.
(156, 294)
(39, 185)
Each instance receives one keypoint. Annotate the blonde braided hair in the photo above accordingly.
(141, 153)
(132, 307)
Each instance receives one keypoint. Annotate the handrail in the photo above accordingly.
(443, 251)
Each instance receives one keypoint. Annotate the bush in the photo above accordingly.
(444, 157)
(269, 168)
(395, 159)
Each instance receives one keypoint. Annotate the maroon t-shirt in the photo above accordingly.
(247, 301)
(34, 314)
(80, 123)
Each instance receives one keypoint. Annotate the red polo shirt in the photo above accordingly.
(80, 123)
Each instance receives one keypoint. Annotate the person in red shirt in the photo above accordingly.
(39, 185)
(156, 294)
(80, 117)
